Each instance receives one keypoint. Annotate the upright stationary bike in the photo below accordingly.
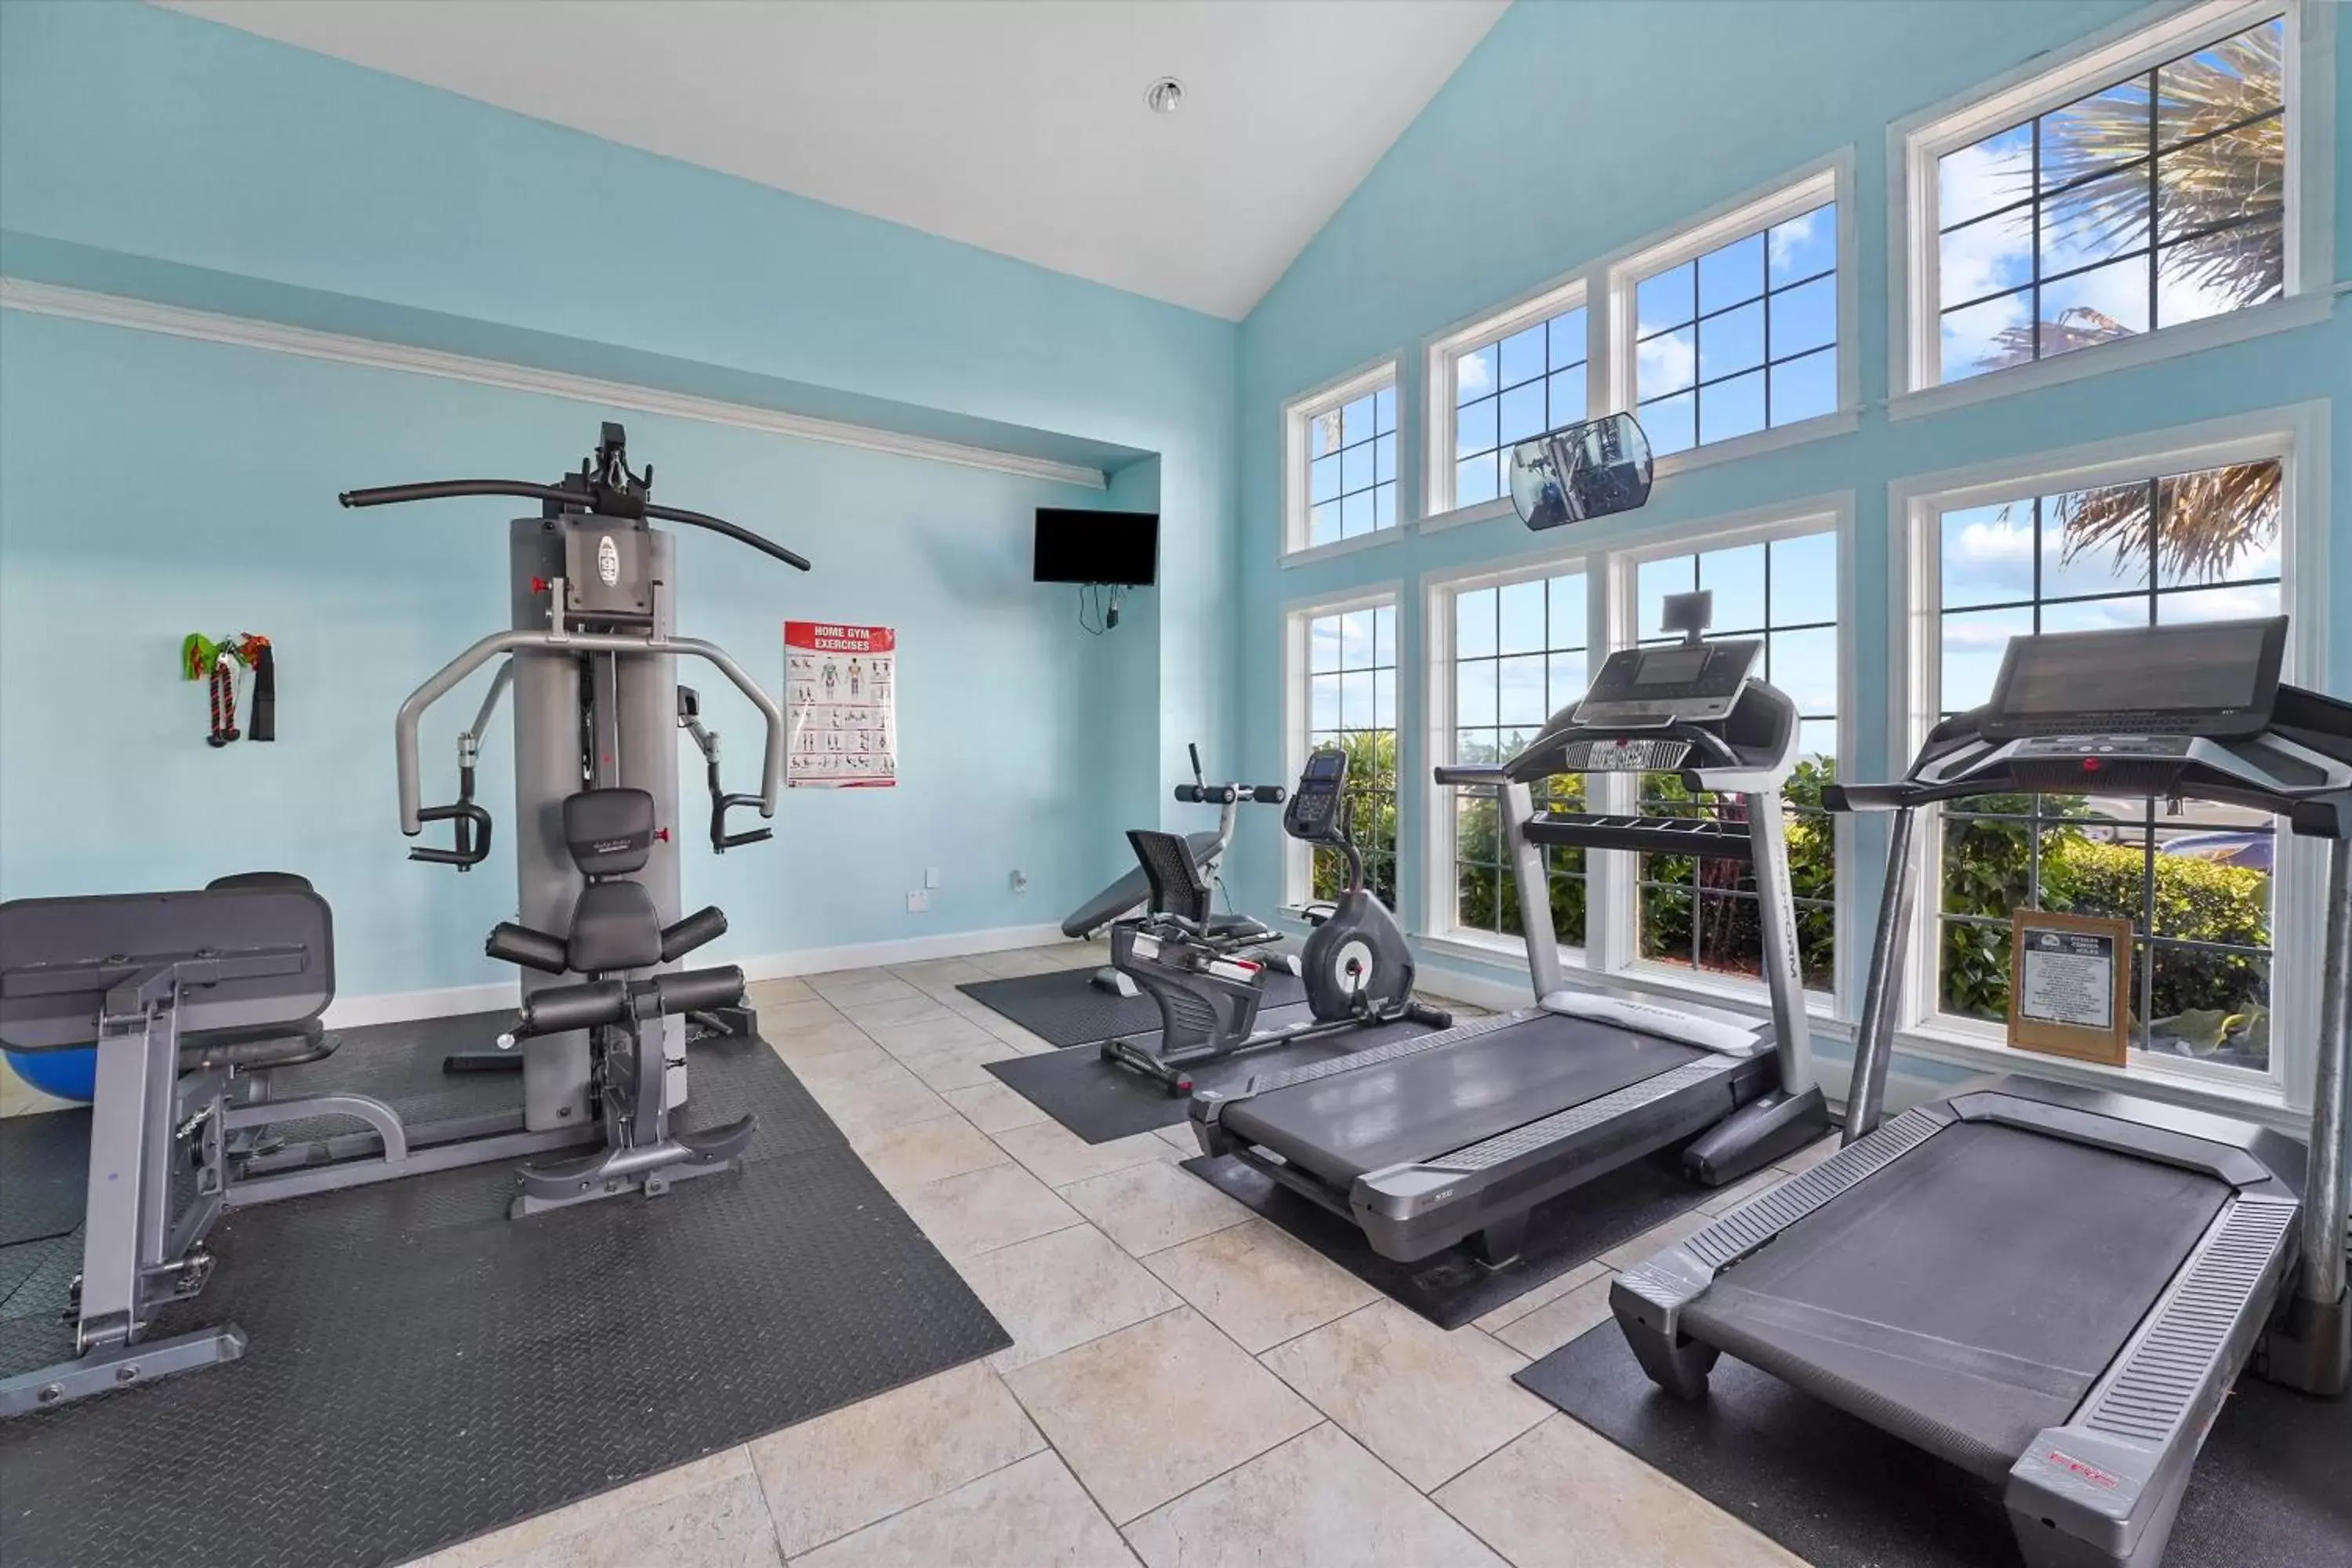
(1197, 964)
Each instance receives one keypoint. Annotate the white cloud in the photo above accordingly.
(1667, 359)
(1982, 632)
(1785, 238)
(1470, 376)
(1991, 544)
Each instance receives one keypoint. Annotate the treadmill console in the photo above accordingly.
(2114, 689)
(1312, 813)
(1647, 688)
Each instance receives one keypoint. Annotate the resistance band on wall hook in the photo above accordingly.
(218, 662)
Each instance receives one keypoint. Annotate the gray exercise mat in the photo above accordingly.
(423, 1370)
(1064, 1008)
(1100, 1101)
(2269, 1490)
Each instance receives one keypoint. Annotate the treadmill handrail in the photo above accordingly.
(439, 684)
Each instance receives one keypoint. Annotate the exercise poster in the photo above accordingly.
(841, 687)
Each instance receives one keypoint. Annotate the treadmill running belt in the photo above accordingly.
(1432, 1102)
(1969, 1295)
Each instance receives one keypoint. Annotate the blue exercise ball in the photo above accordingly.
(68, 1075)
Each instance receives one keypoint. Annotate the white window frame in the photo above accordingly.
(1297, 415)
(2139, 42)
(1611, 950)
(1438, 357)
(2296, 436)
(1438, 905)
(1297, 859)
(1828, 179)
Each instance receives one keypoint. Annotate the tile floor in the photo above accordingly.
(1186, 1385)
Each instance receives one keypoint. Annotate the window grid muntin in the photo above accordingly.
(2146, 826)
(1765, 366)
(1554, 368)
(1561, 867)
(1743, 888)
(1378, 493)
(2154, 245)
(1367, 798)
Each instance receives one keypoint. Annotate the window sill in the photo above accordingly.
(2253, 1100)
(1338, 547)
(1747, 997)
(1820, 427)
(2190, 337)
(1463, 516)
(1463, 945)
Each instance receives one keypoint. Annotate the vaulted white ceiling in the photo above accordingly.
(1017, 125)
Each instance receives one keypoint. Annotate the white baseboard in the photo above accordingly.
(405, 1007)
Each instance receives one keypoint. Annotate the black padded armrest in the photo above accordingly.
(511, 943)
(694, 989)
(706, 925)
(562, 1007)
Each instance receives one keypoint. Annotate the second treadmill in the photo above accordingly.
(1456, 1135)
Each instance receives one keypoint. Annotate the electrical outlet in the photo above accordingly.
(930, 876)
(1020, 880)
(918, 903)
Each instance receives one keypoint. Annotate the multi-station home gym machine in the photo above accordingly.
(590, 659)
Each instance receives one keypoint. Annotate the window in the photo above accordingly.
(1518, 657)
(1517, 383)
(1343, 462)
(2166, 186)
(2158, 198)
(1702, 914)
(1351, 703)
(2196, 886)
(1741, 338)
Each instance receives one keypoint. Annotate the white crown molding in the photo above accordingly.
(175, 320)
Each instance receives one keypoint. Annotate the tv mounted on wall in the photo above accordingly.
(1081, 544)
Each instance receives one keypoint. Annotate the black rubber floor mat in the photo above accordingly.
(1452, 1287)
(1064, 1008)
(2268, 1492)
(423, 1370)
(44, 1170)
(1100, 1100)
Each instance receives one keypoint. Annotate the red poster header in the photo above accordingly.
(825, 636)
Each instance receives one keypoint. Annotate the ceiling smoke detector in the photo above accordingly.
(1165, 95)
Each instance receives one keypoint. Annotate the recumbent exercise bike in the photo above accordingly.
(1196, 964)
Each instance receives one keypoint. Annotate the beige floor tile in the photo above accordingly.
(1555, 1323)
(1657, 1238)
(860, 1059)
(1151, 1412)
(860, 987)
(712, 1489)
(1060, 1156)
(1014, 1034)
(1153, 1206)
(1565, 1497)
(843, 1471)
(922, 1152)
(1543, 1295)
(891, 1010)
(1015, 963)
(937, 974)
(992, 1107)
(1723, 1200)
(1181, 1138)
(18, 1098)
(1427, 1403)
(1031, 1514)
(959, 1067)
(982, 1210)
(784, 1019)
(1813, 1155)
(1061, 1289)
(935, 1032)
(776, 992)
(1258, 1285)
(877, 1100)
(1317, 1501)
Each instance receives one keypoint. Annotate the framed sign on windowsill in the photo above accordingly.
(2070, 986)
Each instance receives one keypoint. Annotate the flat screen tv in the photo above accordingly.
(1080, 544)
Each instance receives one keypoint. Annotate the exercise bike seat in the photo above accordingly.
(1129, 893)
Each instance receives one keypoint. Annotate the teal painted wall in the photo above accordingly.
(1558, 143)
(150, 486)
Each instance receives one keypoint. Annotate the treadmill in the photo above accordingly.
(2054, 1287)
(1453, 1136)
